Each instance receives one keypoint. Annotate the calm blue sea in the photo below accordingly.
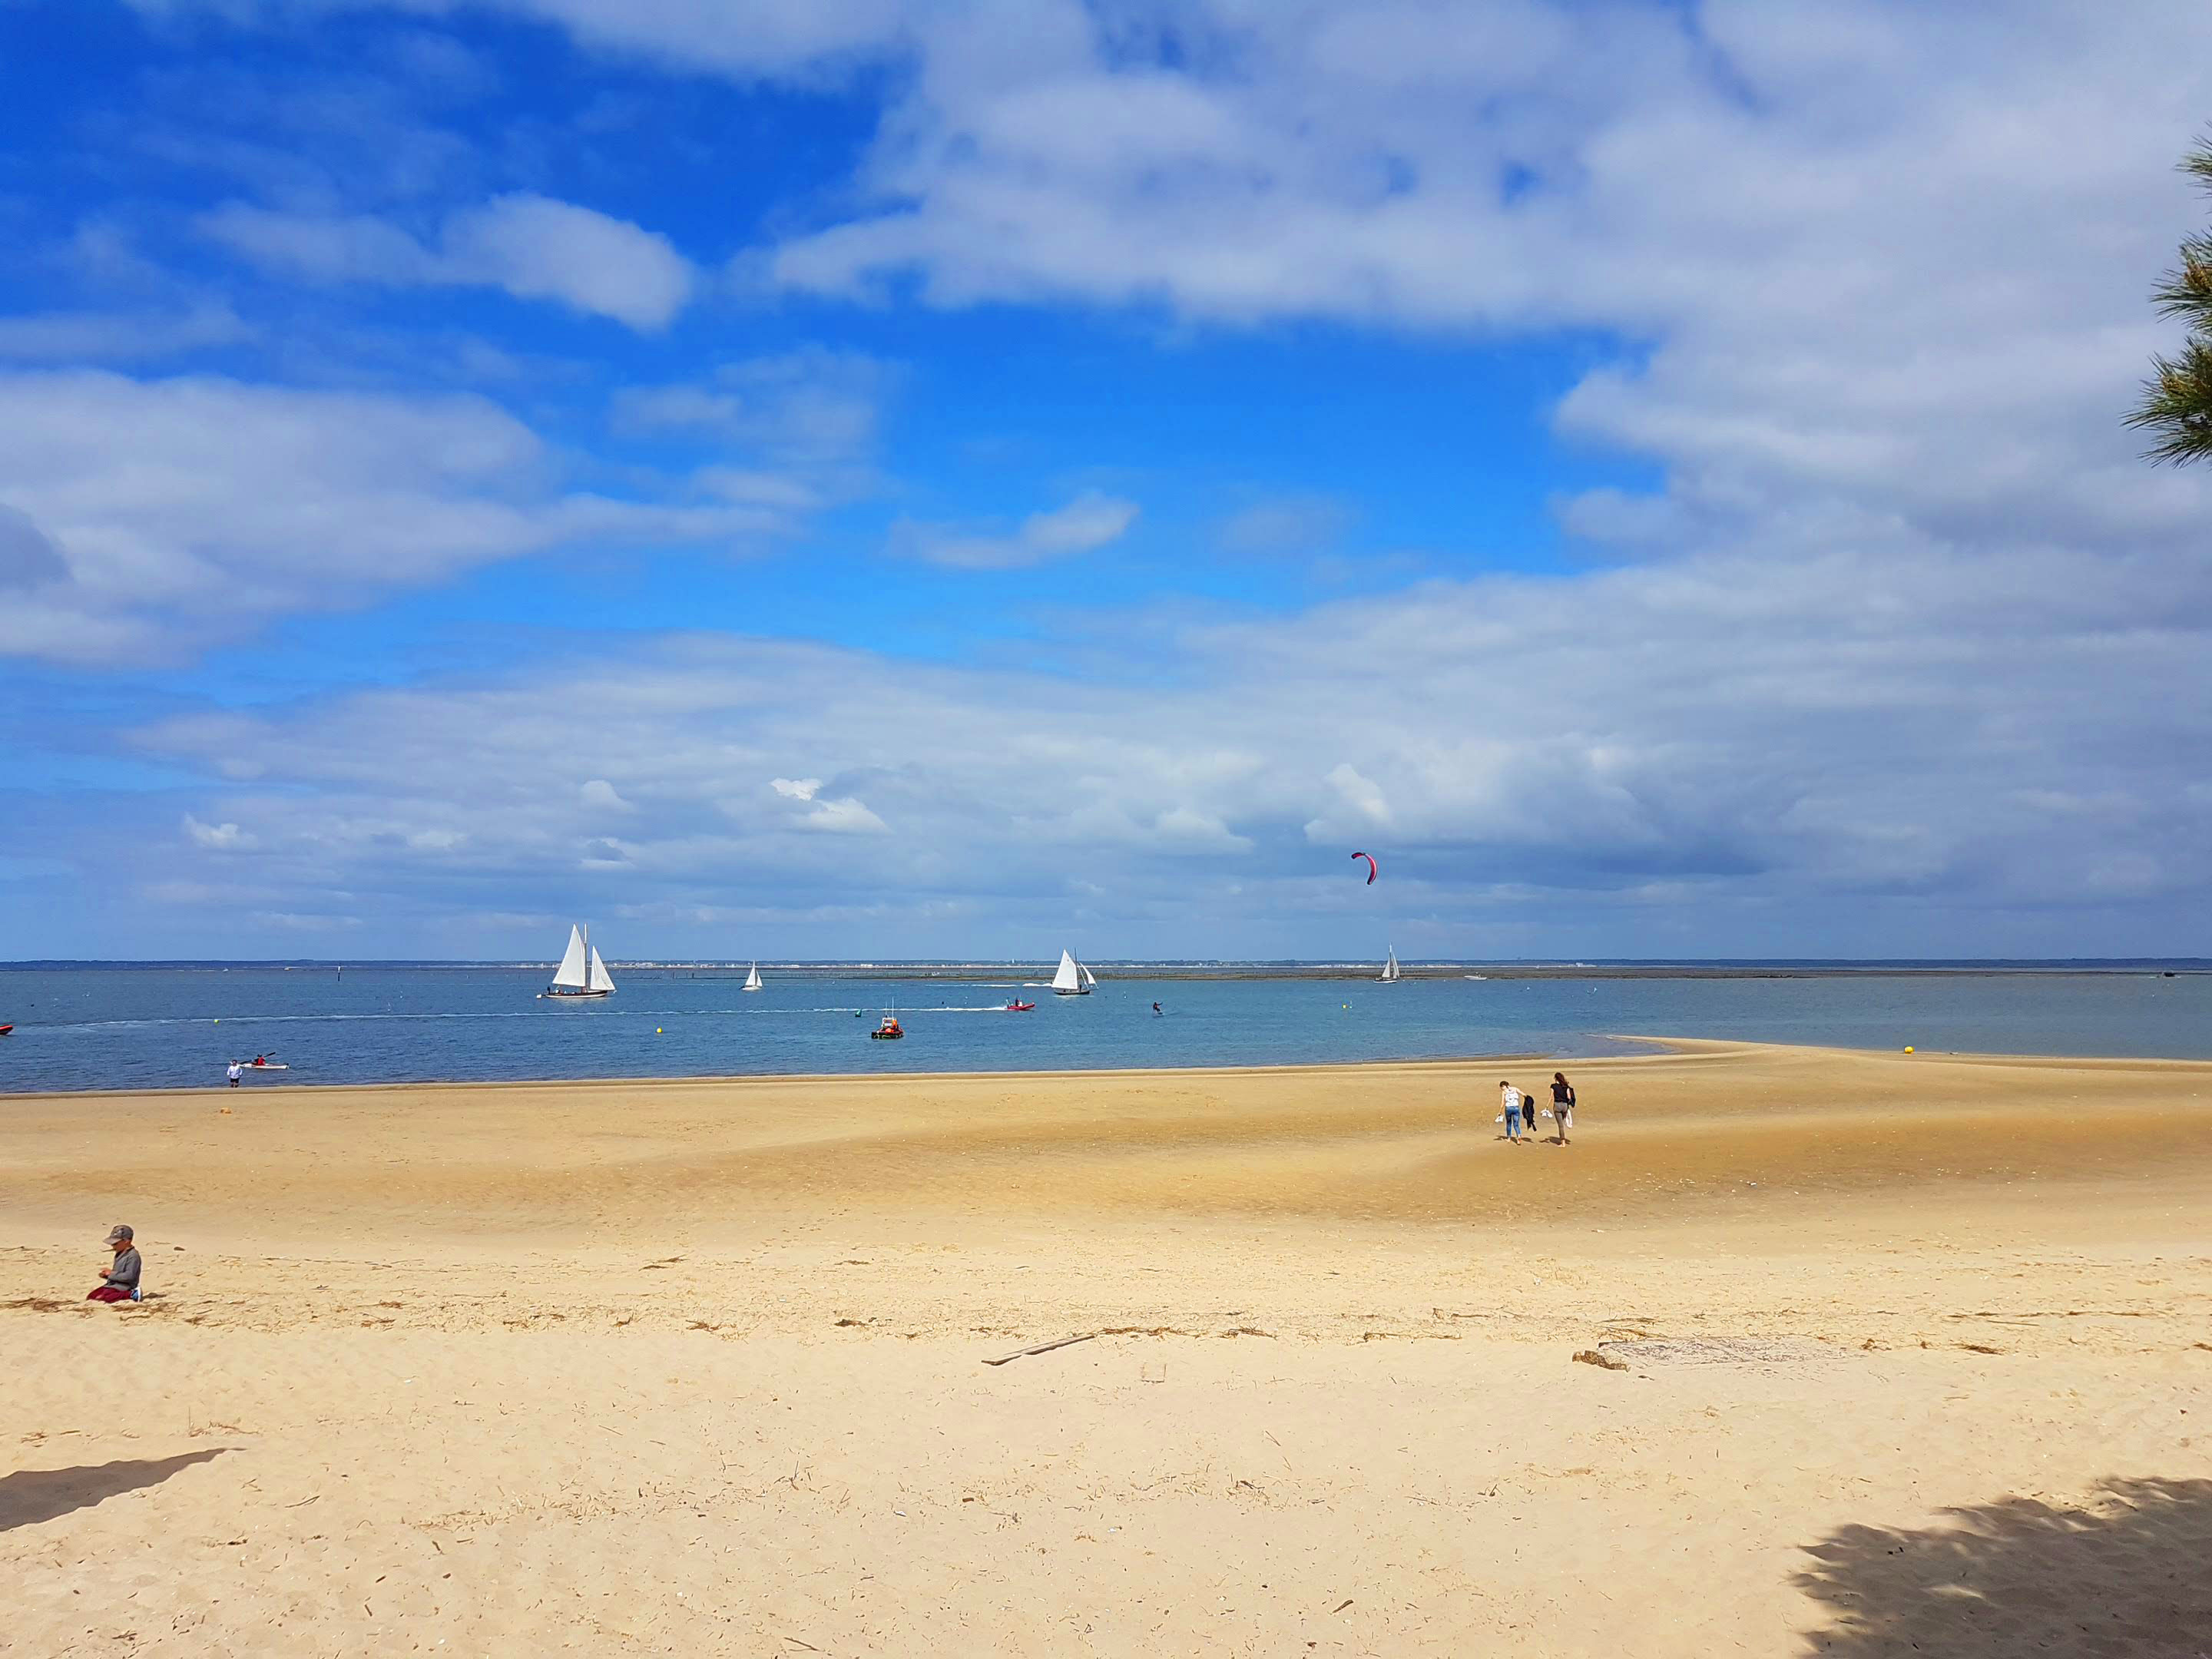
(109, 1028)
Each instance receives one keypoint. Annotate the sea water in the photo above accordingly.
(123, 1027)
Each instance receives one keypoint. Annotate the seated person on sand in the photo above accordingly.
(122, 1276)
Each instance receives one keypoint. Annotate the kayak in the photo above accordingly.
(265, 1065)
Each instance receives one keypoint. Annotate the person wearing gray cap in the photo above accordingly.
(122, 1275)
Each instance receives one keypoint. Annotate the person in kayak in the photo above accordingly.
(121, 1274)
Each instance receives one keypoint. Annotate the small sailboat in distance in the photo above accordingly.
(752, 980)
(1068, 982)
(581, 973)
(1392, 972)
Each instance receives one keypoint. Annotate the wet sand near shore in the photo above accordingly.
(1897, 1349)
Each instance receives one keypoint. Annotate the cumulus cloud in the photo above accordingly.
(1853, 281)
(839, 815)
(1092, 520)
(1901, 648)
(153, 518)
(226, 837)
(530, 245)
(1848, 754)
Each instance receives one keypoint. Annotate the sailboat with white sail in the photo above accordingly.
(1392, 972)
(1069, 981)
(581, 973)
(753, 979)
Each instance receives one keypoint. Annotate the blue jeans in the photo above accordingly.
(1513, 1124)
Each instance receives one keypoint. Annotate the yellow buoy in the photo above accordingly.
(1908, 1047)
(656, 1030)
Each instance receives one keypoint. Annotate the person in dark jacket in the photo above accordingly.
(121, 1273)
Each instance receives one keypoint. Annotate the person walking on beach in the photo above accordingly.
(1511, 1098)
(122, 1274)
(1563, 1104)
(235, 1073)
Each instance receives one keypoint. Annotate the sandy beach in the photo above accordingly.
(1901, 1353)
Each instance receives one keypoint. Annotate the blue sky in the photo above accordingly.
(955, 477)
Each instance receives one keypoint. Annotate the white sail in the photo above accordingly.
(1068, 982)
(752, 980)
(1391, 971)
(570, 973)
(600, 980)
(1090, 978)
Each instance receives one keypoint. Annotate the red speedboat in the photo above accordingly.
(4, 1030)
(1021, 1007)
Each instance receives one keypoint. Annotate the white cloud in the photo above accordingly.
(844, 817)
(531, 246)
(81, 337)
(839, 815)
(1092, 520)
(1843, 754)
(161, 517)
(598, 792)
(225, 837)
(1835, 249)
(812, 408)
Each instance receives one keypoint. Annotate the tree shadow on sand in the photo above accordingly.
(30, 1496)
(2127, 1573)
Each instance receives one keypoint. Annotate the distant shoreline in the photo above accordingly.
(995, 971)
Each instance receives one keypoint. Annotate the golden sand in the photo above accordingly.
(1910, 1349)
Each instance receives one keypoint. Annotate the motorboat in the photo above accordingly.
(1019, 1007)
(889, 1028)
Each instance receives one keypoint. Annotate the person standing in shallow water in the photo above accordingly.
(1563, 1104)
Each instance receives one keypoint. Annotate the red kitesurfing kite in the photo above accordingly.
(1372, 871)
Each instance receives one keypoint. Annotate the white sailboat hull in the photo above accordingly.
(573, 996)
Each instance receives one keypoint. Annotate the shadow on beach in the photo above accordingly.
(2126, 1574)
(30, 1496)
